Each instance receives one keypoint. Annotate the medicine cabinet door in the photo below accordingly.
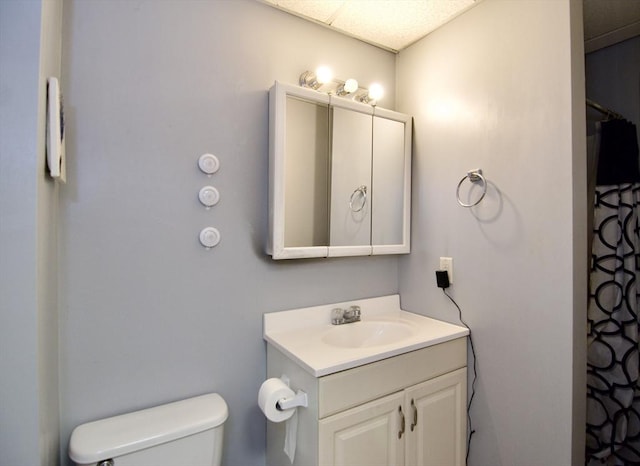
(391, 183)
(350, 207)
(298, 173)
(306, 174)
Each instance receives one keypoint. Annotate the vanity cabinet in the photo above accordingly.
(437, 434)
(406, 410)
(423, 425)
(339, 176)
(367, 434)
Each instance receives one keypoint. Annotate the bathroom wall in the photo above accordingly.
(612, 77)
(148, 315)
(502, 88)
(29, 53)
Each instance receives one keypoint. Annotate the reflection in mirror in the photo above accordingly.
(306, 174)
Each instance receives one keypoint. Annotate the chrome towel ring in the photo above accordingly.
(363, 195)
(475, 176)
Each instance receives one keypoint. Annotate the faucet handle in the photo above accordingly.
(354, 311)
(337, 316)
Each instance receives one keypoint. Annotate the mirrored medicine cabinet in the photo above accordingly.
(339, 176)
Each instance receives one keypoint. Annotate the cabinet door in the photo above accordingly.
(388, 179)
(436, 421)
(350, 204)
(306, 174)
(366, 435)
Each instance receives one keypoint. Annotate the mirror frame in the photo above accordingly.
(277, 138)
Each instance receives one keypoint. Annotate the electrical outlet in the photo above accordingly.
(446, 263)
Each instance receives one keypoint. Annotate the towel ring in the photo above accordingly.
(475, 176)
(363, 193)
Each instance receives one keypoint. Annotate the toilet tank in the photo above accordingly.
(186, 432)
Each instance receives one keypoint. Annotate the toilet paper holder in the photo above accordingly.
(299, 399)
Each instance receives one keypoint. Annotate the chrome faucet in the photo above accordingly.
(345, 316)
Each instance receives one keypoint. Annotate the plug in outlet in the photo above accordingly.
(446, 263)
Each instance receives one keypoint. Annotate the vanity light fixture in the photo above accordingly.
(315, 79)
(349, 88)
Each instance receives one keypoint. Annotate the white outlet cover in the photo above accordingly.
(446, 263)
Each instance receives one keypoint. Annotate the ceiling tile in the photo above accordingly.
(392, 24)
(396, 24)
(319, 10)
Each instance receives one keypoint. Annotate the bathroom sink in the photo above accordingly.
(367, 333)
(307, 336)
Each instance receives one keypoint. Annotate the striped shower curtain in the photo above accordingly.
(613, 377)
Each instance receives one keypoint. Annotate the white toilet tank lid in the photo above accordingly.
(119, 435)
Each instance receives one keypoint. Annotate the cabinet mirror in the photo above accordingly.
(339, 176)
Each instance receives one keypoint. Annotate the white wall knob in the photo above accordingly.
(209, 196)
(208, 163)
(209, 237)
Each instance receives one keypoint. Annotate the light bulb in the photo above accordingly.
(376, 91)
(347, 87)
(323, 74)
(350, 85)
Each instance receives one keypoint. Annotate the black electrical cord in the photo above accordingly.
(475, 375)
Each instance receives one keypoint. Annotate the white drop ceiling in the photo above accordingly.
(390, 24)
(396, 24)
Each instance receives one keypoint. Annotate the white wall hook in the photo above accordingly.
(209, 196)
(209, 237)
(209, 163)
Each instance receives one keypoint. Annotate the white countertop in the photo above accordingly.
(299, 334)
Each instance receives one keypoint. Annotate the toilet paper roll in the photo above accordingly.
(270, 392)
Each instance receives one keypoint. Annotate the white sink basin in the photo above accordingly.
(367, 333)
(307, 336)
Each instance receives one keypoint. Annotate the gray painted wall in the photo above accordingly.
(29, 52)
(19, 53)
(499, 89)
(148, 315)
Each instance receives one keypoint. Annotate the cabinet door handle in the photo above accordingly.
(415, 415)
(401, 422)
(363, 195)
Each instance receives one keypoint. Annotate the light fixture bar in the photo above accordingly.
(347, 89)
